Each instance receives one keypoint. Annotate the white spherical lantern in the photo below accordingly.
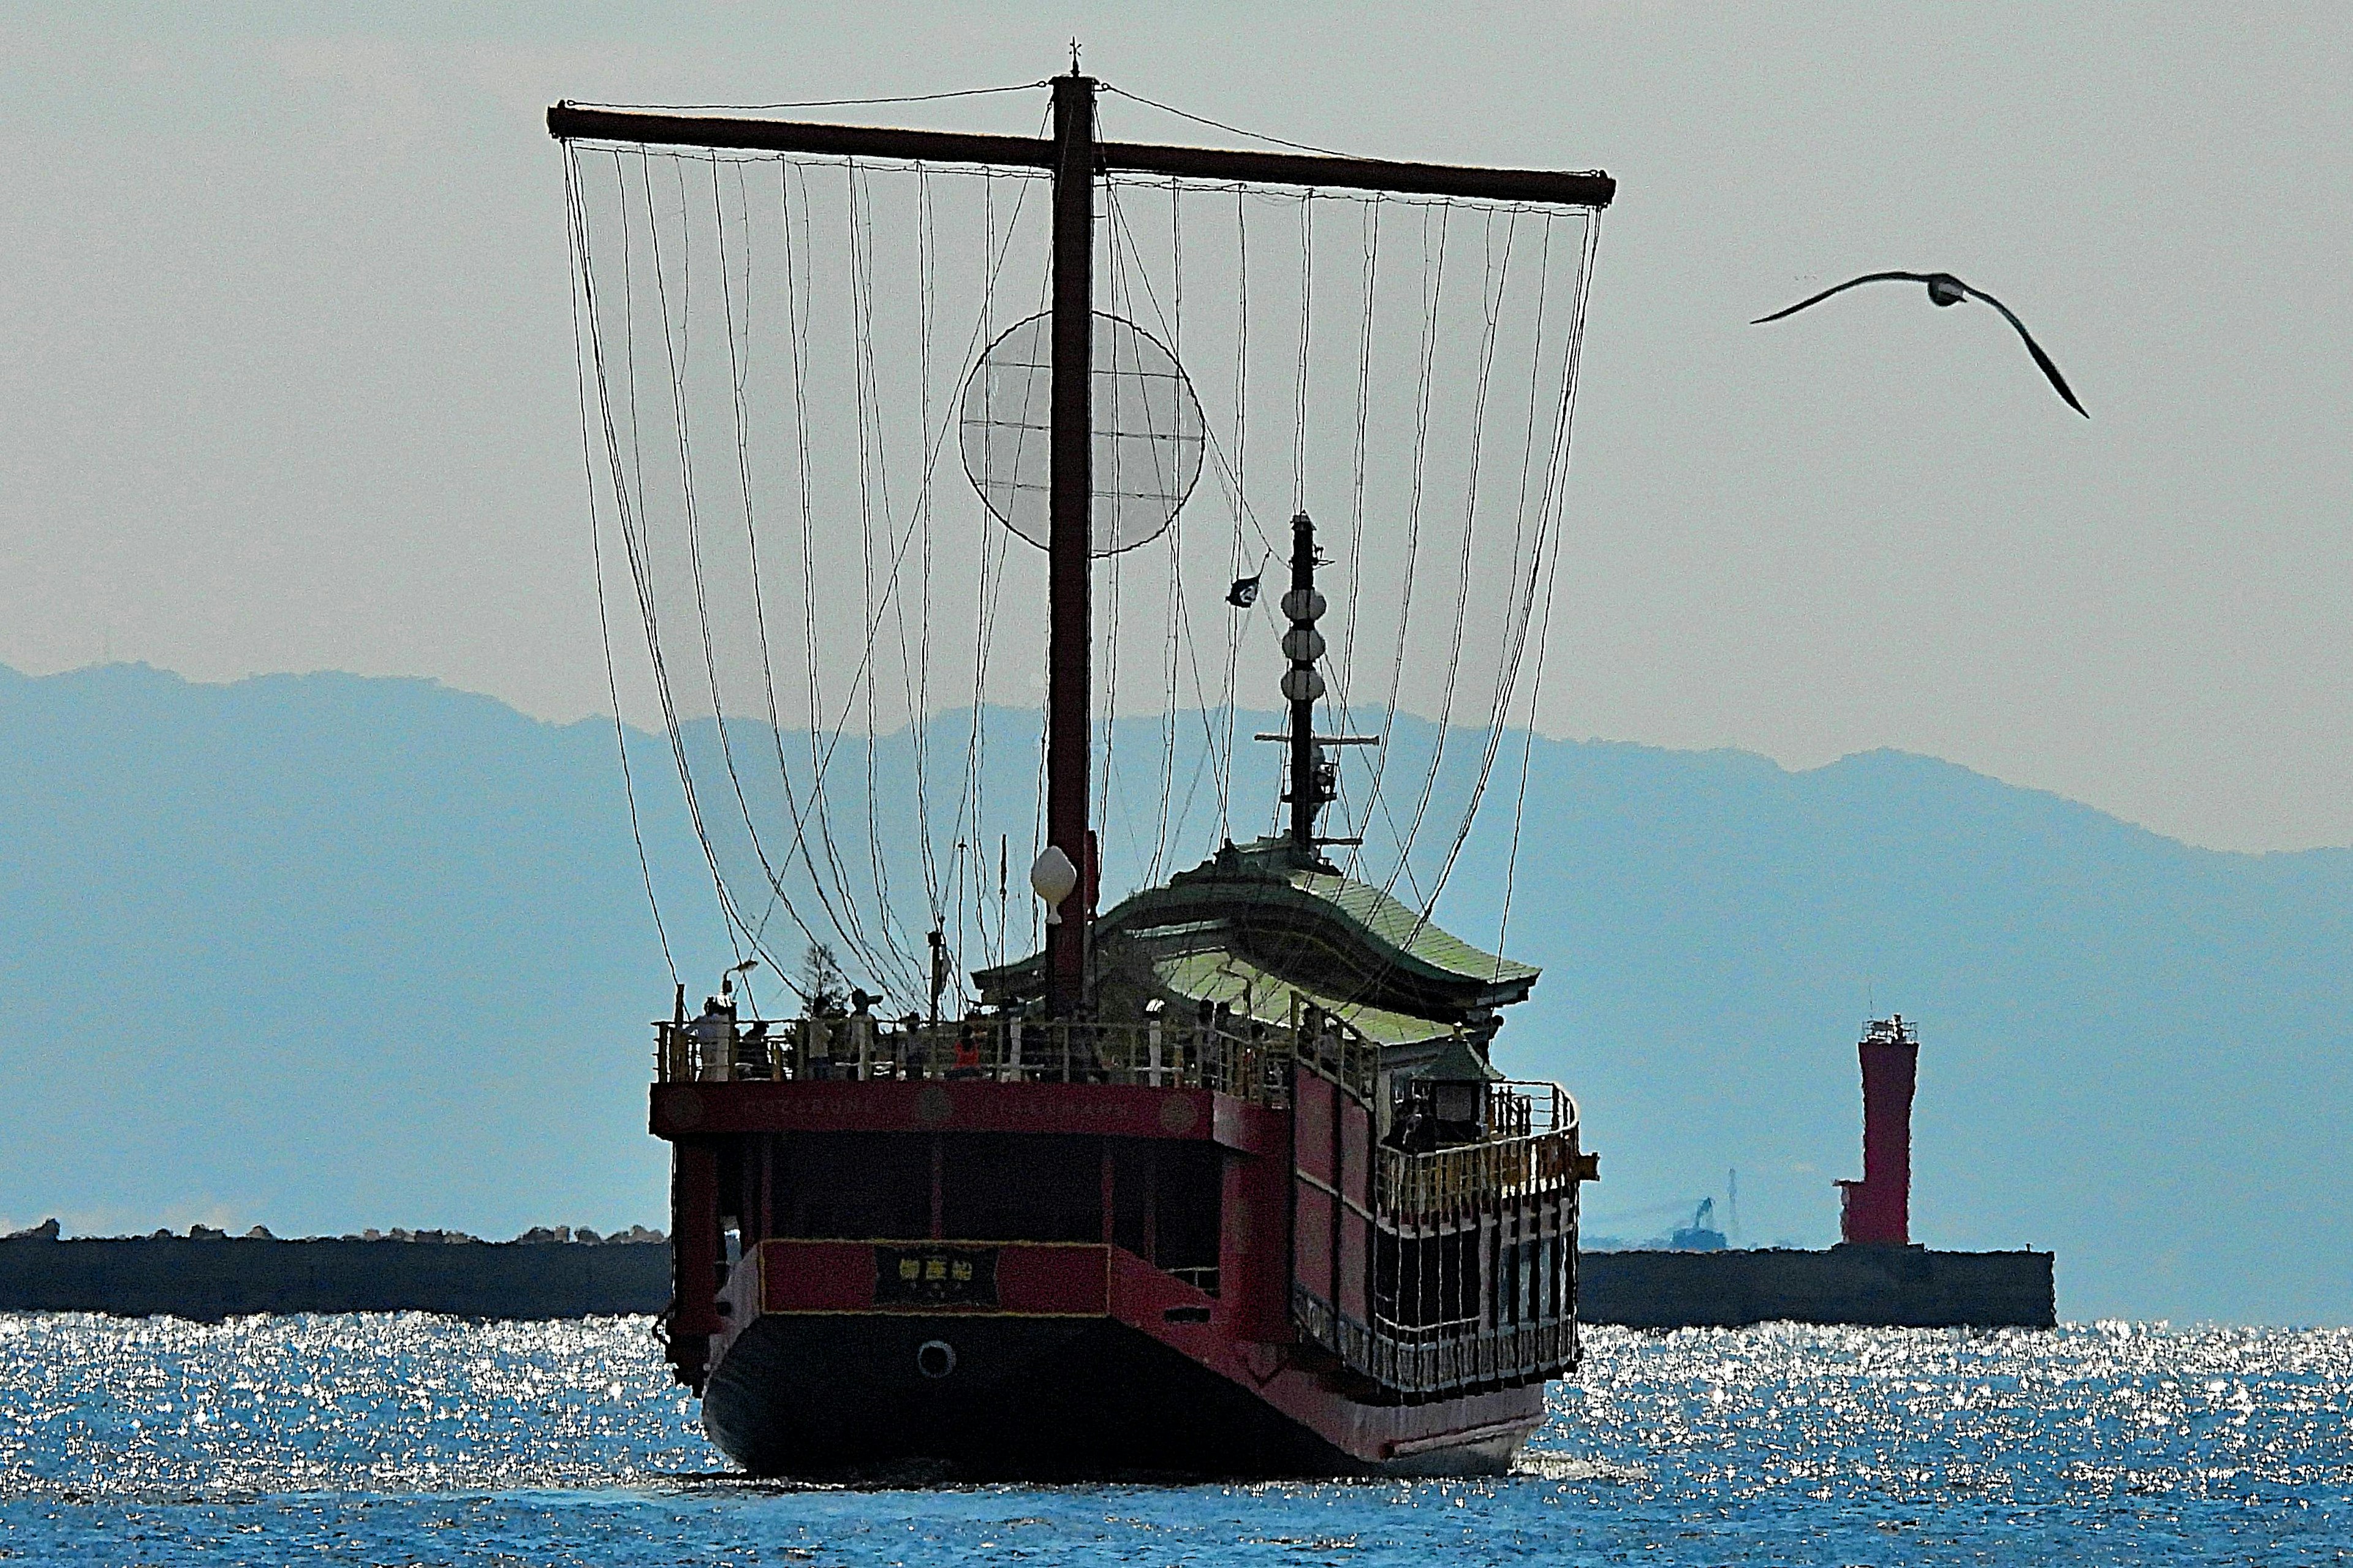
(1053, 878)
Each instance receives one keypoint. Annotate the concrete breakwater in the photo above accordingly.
(209, 1275)
(1884, 1287)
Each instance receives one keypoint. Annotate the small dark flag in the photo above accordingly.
(1244, 593)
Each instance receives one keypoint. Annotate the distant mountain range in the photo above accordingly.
(326, 952)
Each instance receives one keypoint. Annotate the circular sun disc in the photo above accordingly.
(1148, 435)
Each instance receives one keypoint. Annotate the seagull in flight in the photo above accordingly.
(1944, 288)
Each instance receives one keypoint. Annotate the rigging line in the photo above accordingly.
(1162, 319)
(1175, 606)
(800, 289)
(863, 373)
(1512, 648)
(873, 457)
(899, 554)
(930, 470)
(1536, 372)
(1369, 227)
(970, 789)
(1110, 709)
(638, 547)
(1112, 575)
(1228, 471)
(678, 744)
(927, 302)
(1494, 282)
(628, 298)
(1120, 270)
(873, 484)
(817, 102)
(1555, 464)
(1573, 355)
(1045, 742)
(973, 791)
(893, 590)
(1172, 607)
(577, 225)
(800, 304)
(739, 370)
(1241, 458)
(1038, 826)
(1225, 474)
(682, 363)
(1207, 759)
(678, 348)
(1341, 671)
(993, 584)
(1221, 125)
(874, 620)
(1433, 286)
(1515, 641)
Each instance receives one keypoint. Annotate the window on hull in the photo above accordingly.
(852, 1186)
(1165, 1195)
(1016, 1187)
(1166, 1206)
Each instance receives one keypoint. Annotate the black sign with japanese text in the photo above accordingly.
(943, 1276)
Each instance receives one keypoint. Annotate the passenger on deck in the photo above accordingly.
(714, 1034)
(967, 1052)
(751, 1059)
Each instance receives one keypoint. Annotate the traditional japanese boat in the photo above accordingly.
(1220, 1179)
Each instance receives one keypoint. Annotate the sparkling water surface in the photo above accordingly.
(417, 1440)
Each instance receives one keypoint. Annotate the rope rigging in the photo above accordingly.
(807, 352)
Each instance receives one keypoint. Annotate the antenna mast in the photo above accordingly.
(1303, 683)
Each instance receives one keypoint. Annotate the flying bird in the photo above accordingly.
(1944, 288)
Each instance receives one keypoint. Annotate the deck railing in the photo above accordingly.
(1413, 1187)
(1439, 1359)
(1244, 1060)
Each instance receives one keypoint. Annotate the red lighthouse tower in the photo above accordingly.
(1877, 1210)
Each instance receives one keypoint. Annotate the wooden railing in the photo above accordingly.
(1412, 1187)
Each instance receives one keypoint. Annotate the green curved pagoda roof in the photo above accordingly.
(1264, 920)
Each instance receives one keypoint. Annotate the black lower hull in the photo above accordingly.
(1028, 1399)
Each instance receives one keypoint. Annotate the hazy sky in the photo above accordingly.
(286, 371)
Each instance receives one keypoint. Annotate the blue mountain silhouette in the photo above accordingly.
(324, 952)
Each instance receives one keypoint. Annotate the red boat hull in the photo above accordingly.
(1059, 1282)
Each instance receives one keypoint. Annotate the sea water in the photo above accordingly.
(418, 1440)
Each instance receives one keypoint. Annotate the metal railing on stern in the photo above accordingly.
(1244, 1060)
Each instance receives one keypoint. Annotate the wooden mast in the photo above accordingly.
(1070, 514)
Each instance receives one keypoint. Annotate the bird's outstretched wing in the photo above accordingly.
(1841, 288)
(2058, 382)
